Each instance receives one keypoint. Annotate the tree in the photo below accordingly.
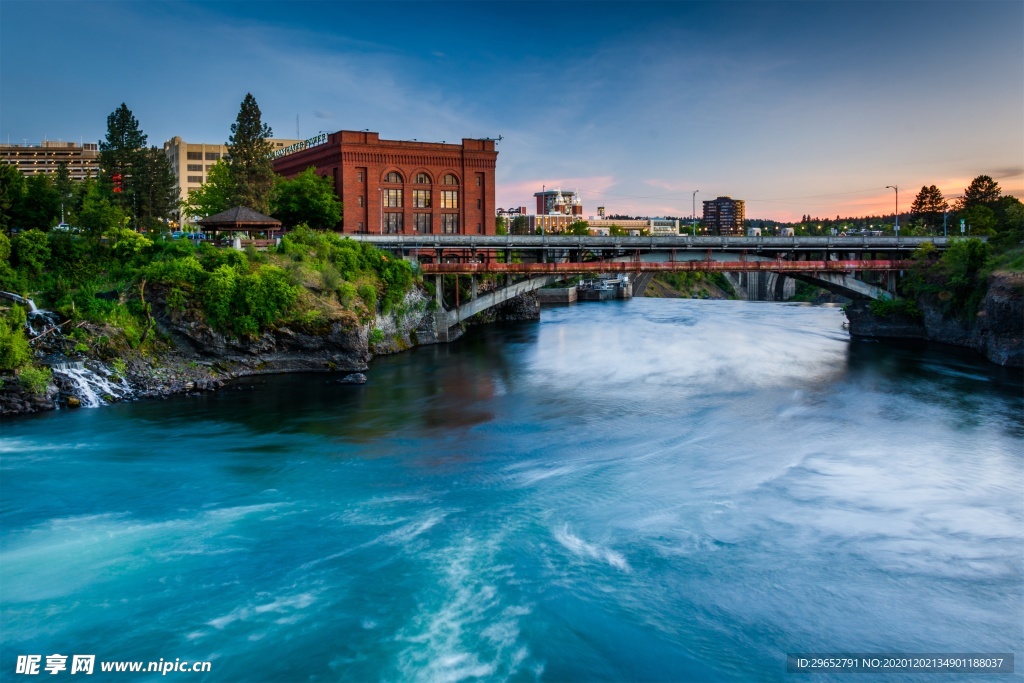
(98, 214)
(12, 187)
(981, 220)
(40, 204)
(520, 225)
(982, 191)
(578, 228)
(306, 198)
(929, 206)
(500, 225)
(121, 157)
(156, 189)
(65, 188)
(252, 170)
(213, 196)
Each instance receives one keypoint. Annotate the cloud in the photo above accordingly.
(322, 114)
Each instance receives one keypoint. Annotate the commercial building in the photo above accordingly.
(82, 160)
(403, 186)
(566, 203)
(192, 161)
(724, 216)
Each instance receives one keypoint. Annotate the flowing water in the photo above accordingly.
(633, 490)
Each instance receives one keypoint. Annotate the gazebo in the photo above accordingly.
(241, 219)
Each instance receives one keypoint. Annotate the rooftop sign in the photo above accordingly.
(320, 139)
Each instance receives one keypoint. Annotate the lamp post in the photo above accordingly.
(897, 224)
(693, 215)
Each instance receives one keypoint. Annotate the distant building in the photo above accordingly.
(192, 161)
(664, 226)
(403, 186)
(724, 216)
(566, 202)
(82, 160)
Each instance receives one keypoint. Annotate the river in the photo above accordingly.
(663, 490)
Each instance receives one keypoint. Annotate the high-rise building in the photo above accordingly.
(192, 161)
(724, 216)
(558, 201)
(82, 160)
(402, 186)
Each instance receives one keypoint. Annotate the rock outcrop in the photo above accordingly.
(997, 331)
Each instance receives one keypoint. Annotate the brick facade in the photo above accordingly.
(359, 164)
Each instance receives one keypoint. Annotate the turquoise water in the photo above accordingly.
(666, 490)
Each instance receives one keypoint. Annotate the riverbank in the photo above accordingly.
(997, 331)
(193, 358)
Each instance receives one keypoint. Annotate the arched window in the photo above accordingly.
(392, 177)
(422, 179)
(450, 179)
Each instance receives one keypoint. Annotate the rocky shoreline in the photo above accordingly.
(997, 331)
(199, 359)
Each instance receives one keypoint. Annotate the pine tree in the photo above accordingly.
(983, 191)
(252, 170)
(929, 205)
(156, 189)
(121, 157)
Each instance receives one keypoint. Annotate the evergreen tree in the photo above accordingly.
(156, 189)
(12, 187)
(252, 171)
(121, 157)
(40, 204)
(983, 191)
(65, 187)
(928, 205)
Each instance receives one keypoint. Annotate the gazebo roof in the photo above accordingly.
(240, 218)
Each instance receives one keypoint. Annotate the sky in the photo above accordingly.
(795, 107)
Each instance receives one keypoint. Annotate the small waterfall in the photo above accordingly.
(93, 385)
(38, 320)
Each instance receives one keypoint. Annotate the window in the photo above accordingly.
(422, 179)
(480, 228)
(392, 222)
(393, 198)
(450, 179)
(359, 176)
(195, 167)
(449, 199)
(194, 156)
(478, 203)
(360, 200)
(421, 199)
(479, 180)
(392, 178)
(212, 156)
(195, 179)
(422, 223)
(450, 222)
(360, 226)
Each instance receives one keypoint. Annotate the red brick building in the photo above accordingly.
(398, 186)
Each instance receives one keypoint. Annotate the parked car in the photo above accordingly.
(64, 227)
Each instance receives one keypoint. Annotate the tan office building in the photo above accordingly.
(192, 161)
(82, 160)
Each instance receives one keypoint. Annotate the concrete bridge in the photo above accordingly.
(858, 267)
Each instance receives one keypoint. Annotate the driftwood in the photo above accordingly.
(55, 327)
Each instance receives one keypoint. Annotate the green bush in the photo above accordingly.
(218, 295)
(376, 336)
(35, 380)
(885, 308)
(14, 349)
(369, 296)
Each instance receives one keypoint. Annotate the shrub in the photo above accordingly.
(369, 296)
(14, 349)
(885, 308)
(218, 296)
(376, 336)
(35, 380)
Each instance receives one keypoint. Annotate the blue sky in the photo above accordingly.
(795, 107)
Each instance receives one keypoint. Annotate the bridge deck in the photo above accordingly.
(665, 266)
(682, 242)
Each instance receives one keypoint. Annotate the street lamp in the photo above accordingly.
(693, 215)
(897, 224)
